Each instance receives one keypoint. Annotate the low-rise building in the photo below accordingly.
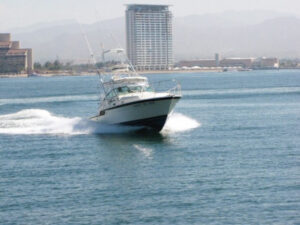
(200, 63)
(14, 59)
(237, 62)
(266, 63)
(245, 63)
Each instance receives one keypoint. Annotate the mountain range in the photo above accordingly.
(230, 33)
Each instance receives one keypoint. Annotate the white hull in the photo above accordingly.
(148, 112)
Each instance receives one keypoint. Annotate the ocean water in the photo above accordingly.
(229, 154)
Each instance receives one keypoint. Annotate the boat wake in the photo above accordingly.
(39, 121)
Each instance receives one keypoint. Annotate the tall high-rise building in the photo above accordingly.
(149, 36)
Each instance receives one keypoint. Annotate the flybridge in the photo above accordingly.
(120, 81)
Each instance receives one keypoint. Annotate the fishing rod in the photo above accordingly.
(92, 57)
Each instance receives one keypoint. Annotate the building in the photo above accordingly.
(217, 62)
(199, 62)
(237, 62)
(149, 36)
(266, 63)
(245, 63)
(14, 59)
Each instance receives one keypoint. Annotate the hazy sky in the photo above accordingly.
(19, 13)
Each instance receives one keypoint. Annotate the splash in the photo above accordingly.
(178, 122)
(146, 151)
(39, 121)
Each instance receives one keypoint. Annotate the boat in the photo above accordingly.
(33, 74)
(129, 99)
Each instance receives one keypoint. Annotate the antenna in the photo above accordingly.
(128, 61)
(118, 45)
(87, 43)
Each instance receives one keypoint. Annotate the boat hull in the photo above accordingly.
(151, 113)
(155, 123)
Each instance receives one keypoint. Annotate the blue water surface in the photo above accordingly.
(230, 153)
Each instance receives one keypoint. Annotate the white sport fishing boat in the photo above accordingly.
(129, 99)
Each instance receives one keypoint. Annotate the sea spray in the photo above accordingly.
(39, 121)
(178, 122)
(147, 152)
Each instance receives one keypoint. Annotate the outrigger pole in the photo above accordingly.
(92, 57)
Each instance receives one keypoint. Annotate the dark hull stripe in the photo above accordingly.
(142, 101)
(156, 123)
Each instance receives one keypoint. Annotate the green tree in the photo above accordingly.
(48, 65)
(57, 65)
(37, 65)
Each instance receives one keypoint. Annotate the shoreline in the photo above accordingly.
(140, 72)
(180, 71)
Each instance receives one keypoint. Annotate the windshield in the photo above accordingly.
(132, 89)
(128, 90)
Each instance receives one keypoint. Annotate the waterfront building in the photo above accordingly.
(149, 36)
(217, 62)
(14, 59)
(266, 63)
(246, 63)
(237, 62)
(199, 63)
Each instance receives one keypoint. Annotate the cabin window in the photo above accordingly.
(123, 90)
(111, 94)
(128, 89)
(135, 89)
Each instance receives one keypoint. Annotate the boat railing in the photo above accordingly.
(167, 86)
(172, 87)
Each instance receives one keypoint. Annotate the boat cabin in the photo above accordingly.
(118, 87)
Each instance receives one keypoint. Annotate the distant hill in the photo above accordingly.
(279, 37)
(66, 41)
(231, 33)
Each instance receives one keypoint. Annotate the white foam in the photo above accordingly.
(178, 122)
(146, 151)
(39, 121)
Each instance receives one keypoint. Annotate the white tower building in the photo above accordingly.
(149, 36)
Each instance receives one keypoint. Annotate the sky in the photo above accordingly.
(22, 13)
